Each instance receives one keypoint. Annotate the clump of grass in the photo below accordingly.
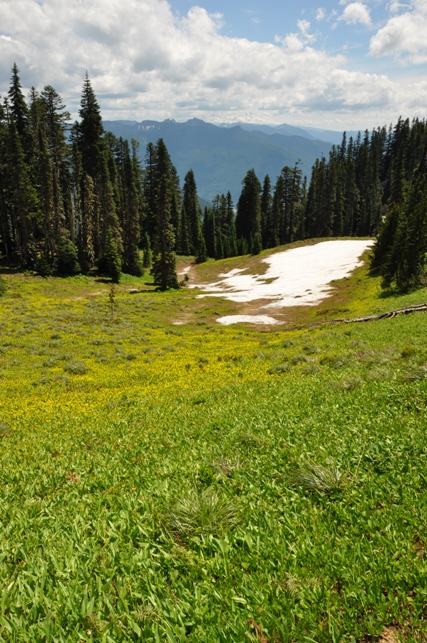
(217, 471)
(249, 440)
(203, 513)
(76, 367)
(278, 369)
(288, 343)
(315, 478)
(310, 369)
(414, 374)
(408, 351)
(42, 381)
(349, 384)
(146, 614)
(311, 350)
(333, 360)
(51, 361)
(295, 584)
(5, 430)
(94, 624)
(226, 467)
(299, 359)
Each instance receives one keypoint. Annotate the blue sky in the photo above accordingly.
(337, 64)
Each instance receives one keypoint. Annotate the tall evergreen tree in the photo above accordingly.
(129, 206)
(266, 212)
(191, 228)
(248, 219)
(95, 159)
(164, 258)
(164, 200)
(19, 113)
(22, 196)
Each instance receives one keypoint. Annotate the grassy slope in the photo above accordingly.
(146, 468)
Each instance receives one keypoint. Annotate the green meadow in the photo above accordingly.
(166, 479)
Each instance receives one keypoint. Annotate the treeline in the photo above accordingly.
(76, 197)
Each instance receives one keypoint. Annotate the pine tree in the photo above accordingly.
(209, 233)
(164, 258)
(96, 160)
(55, 118)
(163, 203)
(24, 207)
(5, 222)
(248, 219)
(266, 213)
(191, 216)
(112, 264)
(19, 113)
(129, 210)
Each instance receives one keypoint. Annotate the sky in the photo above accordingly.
(333, 64)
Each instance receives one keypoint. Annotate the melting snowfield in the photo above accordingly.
(297, 277)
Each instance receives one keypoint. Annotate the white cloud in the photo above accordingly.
(356, 12)
(320, 14)
(146, 62)
(394, 6)
(404, 35)
(304, 27)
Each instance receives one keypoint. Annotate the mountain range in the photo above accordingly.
(220, 156)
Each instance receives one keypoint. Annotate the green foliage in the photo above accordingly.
(134, 264)
(66, 262)
(111, 263)
(43, 267)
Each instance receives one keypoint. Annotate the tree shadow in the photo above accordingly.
(11, 270)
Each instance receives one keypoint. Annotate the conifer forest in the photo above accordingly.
(75, 197)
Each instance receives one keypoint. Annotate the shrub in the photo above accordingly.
(43, 267)
(66, 258)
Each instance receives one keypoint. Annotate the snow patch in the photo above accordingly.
(248, 319)
(297, 277)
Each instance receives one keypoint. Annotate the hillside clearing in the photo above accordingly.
(300, 276)
(208, 483)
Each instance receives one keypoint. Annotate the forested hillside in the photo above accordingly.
(78, 197)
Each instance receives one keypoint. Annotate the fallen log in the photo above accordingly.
(387, 315)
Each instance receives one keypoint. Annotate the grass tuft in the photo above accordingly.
(315, 478)
(76, 367)
(203, 513)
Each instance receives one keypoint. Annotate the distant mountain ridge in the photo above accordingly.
(220, 156)
(312, 133)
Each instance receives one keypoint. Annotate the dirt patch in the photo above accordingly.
(390, 635)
